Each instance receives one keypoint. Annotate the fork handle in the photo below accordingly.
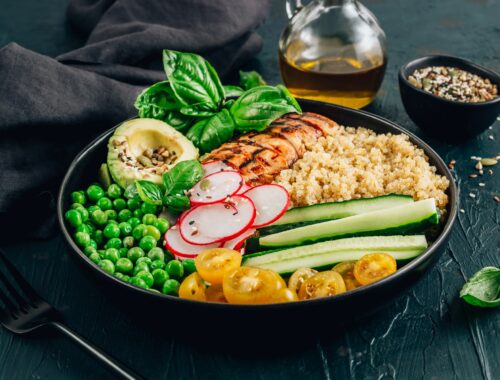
(113, 364)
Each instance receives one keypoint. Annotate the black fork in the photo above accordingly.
(25, 311)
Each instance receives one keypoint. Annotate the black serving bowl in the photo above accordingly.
(447, 120)
(308, 317)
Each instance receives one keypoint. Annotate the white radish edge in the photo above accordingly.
(215, 166)
(167, 242)
(275, 216)
(194, 190)
(237, 242)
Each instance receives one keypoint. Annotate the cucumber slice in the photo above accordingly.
(366, 243)
(319, 261)
(337, 210)
(403, 219)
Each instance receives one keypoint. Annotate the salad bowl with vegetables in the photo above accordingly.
(177, 210)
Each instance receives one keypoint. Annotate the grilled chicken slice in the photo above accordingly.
(261, 156)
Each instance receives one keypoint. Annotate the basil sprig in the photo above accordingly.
(208, 134)
(251, 79)
(483, 288)
(149, 192)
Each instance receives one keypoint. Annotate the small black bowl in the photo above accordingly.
(448, 120)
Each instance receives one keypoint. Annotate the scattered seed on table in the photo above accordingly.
(491, 137)
(452, 163)
(462, 211)
(490, 172)
(479, 165)
(481, 184)
(496, 198)
(472, 175)
(488, 162)
(472, 195)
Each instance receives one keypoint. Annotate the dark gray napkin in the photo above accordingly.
(51, 108)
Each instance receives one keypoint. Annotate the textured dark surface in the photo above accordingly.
(425, 333)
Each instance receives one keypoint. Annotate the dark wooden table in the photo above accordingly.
(426, 333)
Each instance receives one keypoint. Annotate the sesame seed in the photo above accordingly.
(472, 195)
(462, 211)
(481, 184)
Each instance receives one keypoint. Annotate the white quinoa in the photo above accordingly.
(356, 163)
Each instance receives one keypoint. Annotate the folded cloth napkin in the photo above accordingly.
(51, 108)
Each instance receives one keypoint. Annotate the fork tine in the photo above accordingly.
(23, 284)
(7, 302)
(21, 302)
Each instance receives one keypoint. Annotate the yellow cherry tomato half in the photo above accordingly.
(374, 267)
(248, 285)
(298, 277)
(214, 293)
(193, 288)
(345, 269)
(284, 295)
(323, 284)
(213, 263)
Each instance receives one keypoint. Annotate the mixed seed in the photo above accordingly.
(454, 84)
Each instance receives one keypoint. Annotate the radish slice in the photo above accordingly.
(211, 167)
(237, 242)
(244, 188)
(271, 202)
(216, 187)
(179, 247)
(217, 222)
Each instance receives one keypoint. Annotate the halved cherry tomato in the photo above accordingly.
(285, 295)
(193, 288)
(279, 279)
(323, 284)
(213, 263)
(248, 285)
(298, 277)
(374, 267)
(345, 269)
(214, 293)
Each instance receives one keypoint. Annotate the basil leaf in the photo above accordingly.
(193, 80)
(483, 288)
(199, 110)
(179, 121)
(131, 192)
(182, 177)
(259, 106)
(251, 79)
(149, 192)
(212, 132)
(177, 202)
(230, 91)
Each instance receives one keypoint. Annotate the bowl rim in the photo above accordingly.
(488, 74)
(400, 273)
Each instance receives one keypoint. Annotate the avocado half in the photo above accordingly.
(145, 149)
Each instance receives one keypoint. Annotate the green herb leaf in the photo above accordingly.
(483, 288)
(193, 80)
(231, 91)
(251, 79)
(259, 106)
(131, 192)
(149, 192)
(182, 177)
(212, 132)
(177, 202)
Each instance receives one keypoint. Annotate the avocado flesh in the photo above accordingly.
(128, 149)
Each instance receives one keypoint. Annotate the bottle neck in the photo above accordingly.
(333, 3)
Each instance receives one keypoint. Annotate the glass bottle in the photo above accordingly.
(333, 51)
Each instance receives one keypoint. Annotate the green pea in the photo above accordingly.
(152, 231)
(156, 254)
(162, 224)
(95, 192)
(107, 266)
(133, 204)
(91, 209)
(124, 265)
(159, 276)
(138, 213)
(124, 215)
(123, 251)
(101, 252)
(78, 197)
(141, 267)
(98, 236)
(138, 231)
(175, 269)
(75, 206)
(112, 255)
(114, 243)
(74, 218)
(105, 203)
(144, 259)
(114, 191)
(93, 243)
(147, 243)
(189, 266)
(89, 250)
(149, 219)
(95, 257)
(171, 287)
(111, 214)
(125, 228)
(119, 275)
(84, 213)
(111, 231)
(134, 222)
(135, 253)
(139, 282)
(126, 278)
(147, 277)
(157, 264)
(99, 217)
(147, 208)
(82, 239)
(119, 204)
(128, 241)
(83, 228)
